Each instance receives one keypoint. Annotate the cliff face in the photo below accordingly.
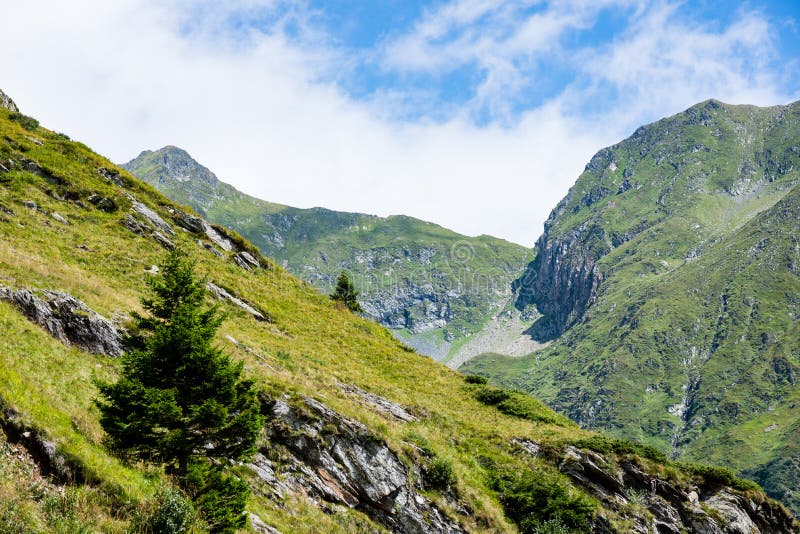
(7, 103)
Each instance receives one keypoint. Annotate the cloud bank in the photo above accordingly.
(253, 90)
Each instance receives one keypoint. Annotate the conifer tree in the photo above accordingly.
(179, 400)
(346, 293)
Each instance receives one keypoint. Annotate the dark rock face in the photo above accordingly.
(67, 319)
(6, 102)
(562, 281)
(673, 507)
(338, 460)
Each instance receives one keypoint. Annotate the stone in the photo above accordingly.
(59, 218)
(152, 217)
(163, 241)
(222, 294)
(379, 404)
(188, 222)
(103, 203)
(67, 319)
(132, 224)
(221, 241)
(259, 526)
(349, 466)
(7, 103)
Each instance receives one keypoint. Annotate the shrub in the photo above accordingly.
(439, 474)
(168, 513)
(719, 476)
(475, 379)
(606, 445)
(537, 500)
(491, 396)
(29, 123)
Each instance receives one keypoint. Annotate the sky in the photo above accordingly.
(474, 114)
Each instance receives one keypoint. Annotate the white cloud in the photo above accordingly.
(250, 104)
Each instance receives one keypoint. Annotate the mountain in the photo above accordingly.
(361, 433)
(668, 280)
(445, 294)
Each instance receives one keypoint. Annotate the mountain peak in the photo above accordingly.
(6, 102)
(174, 165)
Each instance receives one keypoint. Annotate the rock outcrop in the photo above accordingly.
(7, 103)
(67, 319)
(223, 294)
(671, 507)
(331, 458)
(563, 279)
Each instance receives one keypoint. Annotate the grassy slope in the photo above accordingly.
(381, 254)
(724, 325)
(311, 346)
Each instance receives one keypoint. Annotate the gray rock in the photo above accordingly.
(189, 222)
(248, 258)
(339, 460)
(7, 103)
(59, 218)
(131, 223)
(163, 241)
(379, 404)
(103, 203)
(221, 241)
(259, 526)
(222, 294)
(67, 319)
(152, 217)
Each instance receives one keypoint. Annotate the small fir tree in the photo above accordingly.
(346, 293)
(179, 400)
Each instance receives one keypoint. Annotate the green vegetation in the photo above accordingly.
(346, 294)
(411, 274)
(692, 343)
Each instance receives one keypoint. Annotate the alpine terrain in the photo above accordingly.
(668, 279)
(445, 294)
(359, 433)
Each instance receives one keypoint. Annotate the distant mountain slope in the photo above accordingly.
(670, 279)
(441, 292)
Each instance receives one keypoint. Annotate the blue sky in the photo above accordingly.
(475, 114)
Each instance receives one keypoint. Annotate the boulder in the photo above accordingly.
(67, 319)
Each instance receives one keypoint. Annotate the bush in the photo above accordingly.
(29, 123)
(720, 476)
(475, 379)
(169, 513)
(606, 445)
(491, 396)
(537, 500)
(439, 474)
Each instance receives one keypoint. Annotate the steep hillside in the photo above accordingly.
(361, 434)
(442, 293)
(670, 273)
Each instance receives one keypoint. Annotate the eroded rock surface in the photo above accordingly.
(332, 458)
(672, 507)
(67, 319)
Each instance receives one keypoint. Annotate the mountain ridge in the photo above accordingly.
(439, 291)
(665, 277)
